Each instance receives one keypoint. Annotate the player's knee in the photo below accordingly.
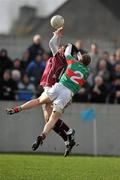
(38, 100)
(57, 108)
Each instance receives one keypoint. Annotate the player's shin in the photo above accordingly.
(51, 123)
(60, 130)
(28, 105)
(47, 128)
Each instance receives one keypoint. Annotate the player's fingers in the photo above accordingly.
(60, 29)
(9, 111)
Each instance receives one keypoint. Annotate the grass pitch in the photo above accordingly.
(44, 167)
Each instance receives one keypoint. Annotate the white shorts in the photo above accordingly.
(60, 95)
(45, 90)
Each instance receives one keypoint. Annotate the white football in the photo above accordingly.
(57, 21)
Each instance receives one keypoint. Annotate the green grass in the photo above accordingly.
(44, 167)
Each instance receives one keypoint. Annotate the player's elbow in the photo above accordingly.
(50, 43)
(67, 54)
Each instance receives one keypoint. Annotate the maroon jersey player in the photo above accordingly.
(53, 71)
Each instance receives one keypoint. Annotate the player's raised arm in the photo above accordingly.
(54, 43)
(68, 51)
(72, 52)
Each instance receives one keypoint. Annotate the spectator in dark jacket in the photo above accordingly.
(17, 64)
(5, 62)
(35, 69)
(114, 96)
(106, 57)
(115, 87)
(83, 94)
(99, 91)
(35, 48)
(103, 71)
(116, 73)
(8, 87)
(24, 61)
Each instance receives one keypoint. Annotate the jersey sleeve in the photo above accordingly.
(54, 44)
(68, 54)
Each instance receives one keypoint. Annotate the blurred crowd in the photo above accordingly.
(19, 78)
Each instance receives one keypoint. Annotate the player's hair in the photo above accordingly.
(74, 50)
(86, 59)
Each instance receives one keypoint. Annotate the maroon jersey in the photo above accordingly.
(53, 70)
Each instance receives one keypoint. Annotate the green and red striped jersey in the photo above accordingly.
(75, 75)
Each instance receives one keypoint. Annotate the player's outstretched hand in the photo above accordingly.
(59, 31)
(10, 111)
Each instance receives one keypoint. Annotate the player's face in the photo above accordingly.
(75, 56)
(62, 50)
(80, 59)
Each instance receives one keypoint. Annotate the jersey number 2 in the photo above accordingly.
(77, 78)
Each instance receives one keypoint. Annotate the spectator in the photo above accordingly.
(79, 46)
(46, 56)
(99, 91)
(16, 70)
(24, 61)
(82, 95)
(35, 48)
(116, 73)
(114, 96)
(103, 71)
(8, 87)
(17, 64)
(26, 89)
(16, 75)
(106, 57)
(94, 53)
(5, 62)
(113, 59)
(25, 84)
(35, 69)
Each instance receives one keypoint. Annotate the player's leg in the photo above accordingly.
(60, 127)
(65, 132)
(59, 103)
(30, 104)
(47, 128)
(51, 123)
(56, 123)
(47, 110)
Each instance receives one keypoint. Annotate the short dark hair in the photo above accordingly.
(74, 49)
(86, 59)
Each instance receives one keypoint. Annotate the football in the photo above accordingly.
(57, 21)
